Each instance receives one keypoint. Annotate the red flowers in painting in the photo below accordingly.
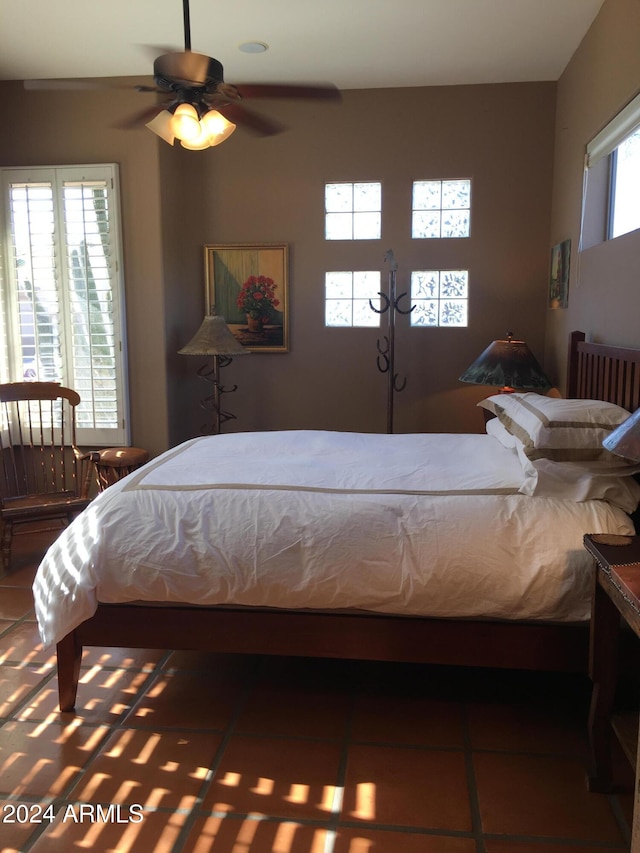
(257, 296)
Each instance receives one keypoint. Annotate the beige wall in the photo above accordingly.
(271, 190)
(62, 128)
(604, 295)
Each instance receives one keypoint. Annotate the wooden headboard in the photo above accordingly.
(602, 372)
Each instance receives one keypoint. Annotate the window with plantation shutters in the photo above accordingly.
(62, 291)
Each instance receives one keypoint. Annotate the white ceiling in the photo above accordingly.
(351, 43)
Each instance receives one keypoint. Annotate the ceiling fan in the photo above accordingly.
(200, 109)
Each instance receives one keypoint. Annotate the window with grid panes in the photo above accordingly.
(62, 290)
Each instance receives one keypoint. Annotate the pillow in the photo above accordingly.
(498, 430)
(558, 429)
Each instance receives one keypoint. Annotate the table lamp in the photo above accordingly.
(508, 364)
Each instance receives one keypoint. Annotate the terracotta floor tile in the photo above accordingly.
(15, 602)
(383, 841)
(407, 787)
(231, 835)
(22, 573)
(493, 845)
(153, 769)
(526, 728)
(299, 713)
(41, 760)
(16, 827)
(16, 683)
(22, 644)
(104, 696)
(275, 776)
(79, 826)
(186, 700)
(307, 673)
(541, 796)
(408, 720)
(232, 670)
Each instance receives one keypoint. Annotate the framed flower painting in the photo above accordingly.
(248, 286)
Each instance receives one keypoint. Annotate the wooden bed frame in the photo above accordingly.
(595, 371)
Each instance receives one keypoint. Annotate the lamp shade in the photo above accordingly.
(508, 364)
(625, 439)
(213, 337)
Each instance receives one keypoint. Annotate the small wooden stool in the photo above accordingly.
(114, 463)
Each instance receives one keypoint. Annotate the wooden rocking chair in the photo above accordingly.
(43, 475)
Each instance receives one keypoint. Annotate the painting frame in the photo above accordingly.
(229, 266)
(559, 275)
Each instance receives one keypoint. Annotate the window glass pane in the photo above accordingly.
(366, 285)
(454, 283)
(440, 297)
(339, 226)
(338, 198)
(626, 192)
(441, 209)
(363, 315)
(338, 285)
(455, 223)
(453, 312)
(456, 195)
(367, 196)
(353, 211)
(347, 296)
(339, 312)
(425, 312)
(366, 226)
(427, 195)
(426, 224)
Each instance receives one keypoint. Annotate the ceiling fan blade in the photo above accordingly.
(78, 84)
(326, 92)
(260, 125)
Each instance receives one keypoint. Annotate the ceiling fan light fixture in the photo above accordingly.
(185, 123)
(217, 127)
(161, 125)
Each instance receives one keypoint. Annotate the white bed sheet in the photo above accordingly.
(430, 525)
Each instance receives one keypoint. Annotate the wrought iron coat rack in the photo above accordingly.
(386, 348)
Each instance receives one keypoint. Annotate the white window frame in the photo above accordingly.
(599, 175)
(11, 355)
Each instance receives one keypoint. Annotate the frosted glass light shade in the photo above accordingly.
(185, 123)
(217, 127)
(161, 125)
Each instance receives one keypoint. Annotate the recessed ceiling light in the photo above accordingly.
(253, 47)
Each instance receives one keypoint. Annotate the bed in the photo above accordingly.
(479, 562)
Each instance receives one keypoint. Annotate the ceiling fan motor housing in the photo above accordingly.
(189, 69)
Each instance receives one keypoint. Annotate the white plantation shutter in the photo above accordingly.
(63, 292)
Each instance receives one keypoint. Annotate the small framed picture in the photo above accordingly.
(248, 286)
(559, 276)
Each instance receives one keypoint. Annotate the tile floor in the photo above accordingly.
(176, 751)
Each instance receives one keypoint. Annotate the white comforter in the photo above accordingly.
(429, 525)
